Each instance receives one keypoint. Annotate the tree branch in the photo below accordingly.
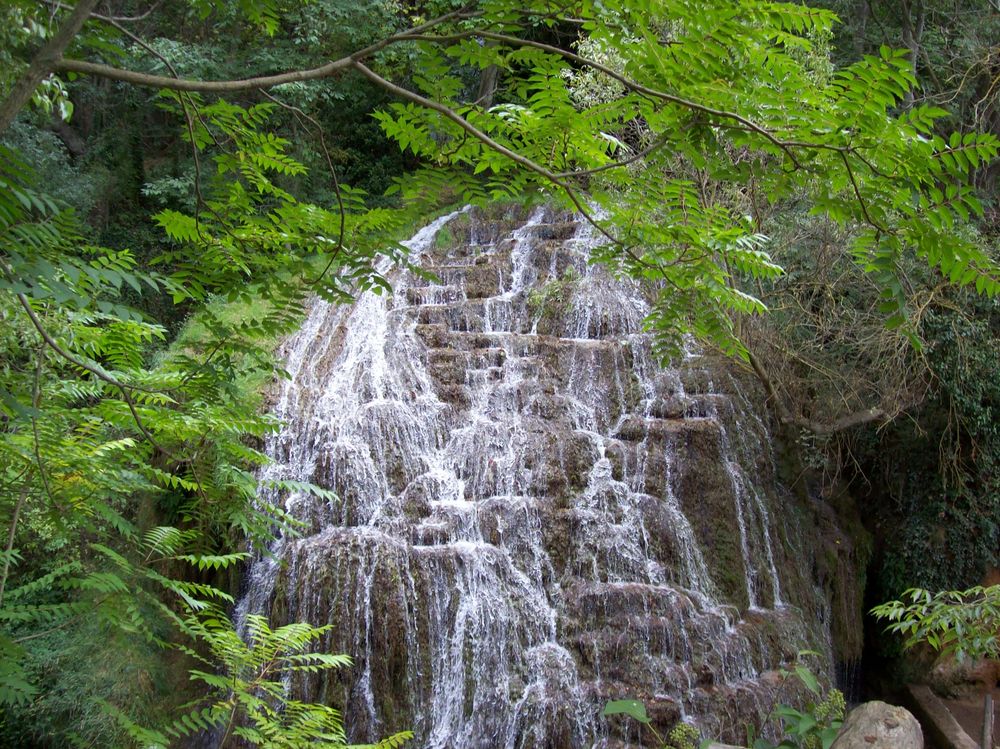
(488, 141)
(246, 84)
(821, 428)
(215, 87)
(98, 372)
(631, 85)
(44, 63)
(108, 19)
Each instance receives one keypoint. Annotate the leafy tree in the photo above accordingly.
(667, 124)
(963, 623)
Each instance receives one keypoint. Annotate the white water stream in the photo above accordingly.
(514, 541)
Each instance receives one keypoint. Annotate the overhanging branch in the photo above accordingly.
(821, 428)
(257, 82)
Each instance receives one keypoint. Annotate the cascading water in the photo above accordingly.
(533, 517)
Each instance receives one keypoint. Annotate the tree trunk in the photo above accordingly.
(487, 87)
(44, 63)
(913, 30)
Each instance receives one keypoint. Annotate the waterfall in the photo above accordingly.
(533, 517)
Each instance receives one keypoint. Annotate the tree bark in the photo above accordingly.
(487, 87)
(44, 63)
(74, 142)
(913, 30)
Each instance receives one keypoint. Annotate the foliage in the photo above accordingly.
(933, 479)
(97, 438)
(965, 623)
(775, 128)
(80, 668)
(681, 736)
(815, 726)
(952, 48)
(666, 123)
(247, 696)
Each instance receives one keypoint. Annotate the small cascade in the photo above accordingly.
(533, 517)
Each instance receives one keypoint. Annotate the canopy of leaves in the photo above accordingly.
(667, 124)
(965, 623)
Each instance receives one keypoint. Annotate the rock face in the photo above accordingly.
(533, 516)
(878, 725)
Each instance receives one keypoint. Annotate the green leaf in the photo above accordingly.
(632, 708)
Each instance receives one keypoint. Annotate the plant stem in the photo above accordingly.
(10, 538)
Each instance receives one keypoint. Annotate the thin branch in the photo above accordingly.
(35, 400)
(333, 174)
(188, 116)
(861, 200)
(64, 623)
(821, 428)
(186, 84)
(630, 84)
(657, 144)
(517, 158)
(98, 372)
(9, 549)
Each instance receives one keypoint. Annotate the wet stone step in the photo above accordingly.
(626, 595)
(707, 406)
(475, 358)
(476, 229)
(442, 274)
(460, 551)
(482, 278)
(420, 295)
(486, 280)
(457, 395)
(472, 317)
(558, 230)
(478, 377)
(661, 638)
(438, 335)
(554, 259)
(466, 317)
(637, 428)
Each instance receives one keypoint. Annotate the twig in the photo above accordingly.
(333, 173)
(517, 158)
(108, 19)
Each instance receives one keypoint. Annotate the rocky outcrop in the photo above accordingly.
(878, 725)
(534, 517)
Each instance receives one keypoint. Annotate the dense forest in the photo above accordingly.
(808, 192)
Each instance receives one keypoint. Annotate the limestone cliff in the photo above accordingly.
(534, 517)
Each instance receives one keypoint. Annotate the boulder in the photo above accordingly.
(878, 725)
